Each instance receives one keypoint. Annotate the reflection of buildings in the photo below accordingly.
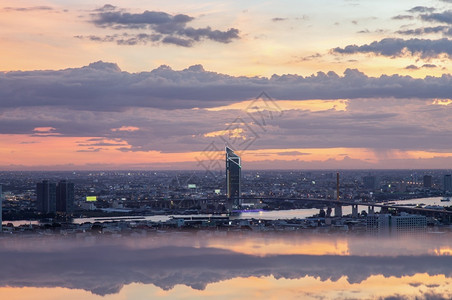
(448, 183)
(402, 223)
(105, 266)
(65, 197)
(233, 174)
(46, 197)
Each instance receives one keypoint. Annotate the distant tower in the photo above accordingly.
(46, 197)
(233, 174)
(65, 197)
(447, 183)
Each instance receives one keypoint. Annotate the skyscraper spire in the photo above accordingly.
(233, 175)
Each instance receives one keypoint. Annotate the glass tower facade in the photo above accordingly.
(233, 175)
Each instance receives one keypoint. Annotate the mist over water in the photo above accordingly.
(203, 263)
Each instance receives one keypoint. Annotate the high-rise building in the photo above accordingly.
(370, 182)
(65, 197)
(233, 175)
(428, 181)
(1, 209)
(448, 183)
(46, 197)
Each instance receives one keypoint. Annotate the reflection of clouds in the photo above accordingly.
(435, 244)
(104, 268)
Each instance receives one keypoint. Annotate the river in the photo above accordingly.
(264, 215)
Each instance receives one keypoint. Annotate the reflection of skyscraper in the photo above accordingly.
(46, 197)
(448, 183)
(65, 196)
(233, 174)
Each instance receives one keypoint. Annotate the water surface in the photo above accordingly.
(227, 265)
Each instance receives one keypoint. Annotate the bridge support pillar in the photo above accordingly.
(338, 210)
(354, 211)
(371, 210)
(328, 211)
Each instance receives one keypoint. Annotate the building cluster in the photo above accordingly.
(147, 193)
(383, 223)
(153, 191)
(55, 198)
(371, 224)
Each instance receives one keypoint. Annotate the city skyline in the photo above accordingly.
(133, 85)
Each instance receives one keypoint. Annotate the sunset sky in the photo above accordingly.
(165, 84)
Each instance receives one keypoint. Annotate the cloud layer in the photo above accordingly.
(104, 87)
(167, 110)
(164, 28)
(394, 47)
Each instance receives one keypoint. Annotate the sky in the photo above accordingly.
(132, 84)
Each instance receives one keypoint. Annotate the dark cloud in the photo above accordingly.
(421, 9)
(446, 30)
(415, 284)
(25, 9)
(422, 296)
(125, 38)
(104, 87)
(164, 27)
(141, 38)
(110, 16)
(214, 35)
(412, 67)
(279, 19)
(394, 47)
(442, 17)
(177, 41)
(403, 17)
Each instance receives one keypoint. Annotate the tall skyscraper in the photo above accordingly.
(447, 183)
(427, 181)
(46, 197)
(65, 197)
(233, 174)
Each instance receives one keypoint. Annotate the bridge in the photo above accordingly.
(371, 205)
(337, 204)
